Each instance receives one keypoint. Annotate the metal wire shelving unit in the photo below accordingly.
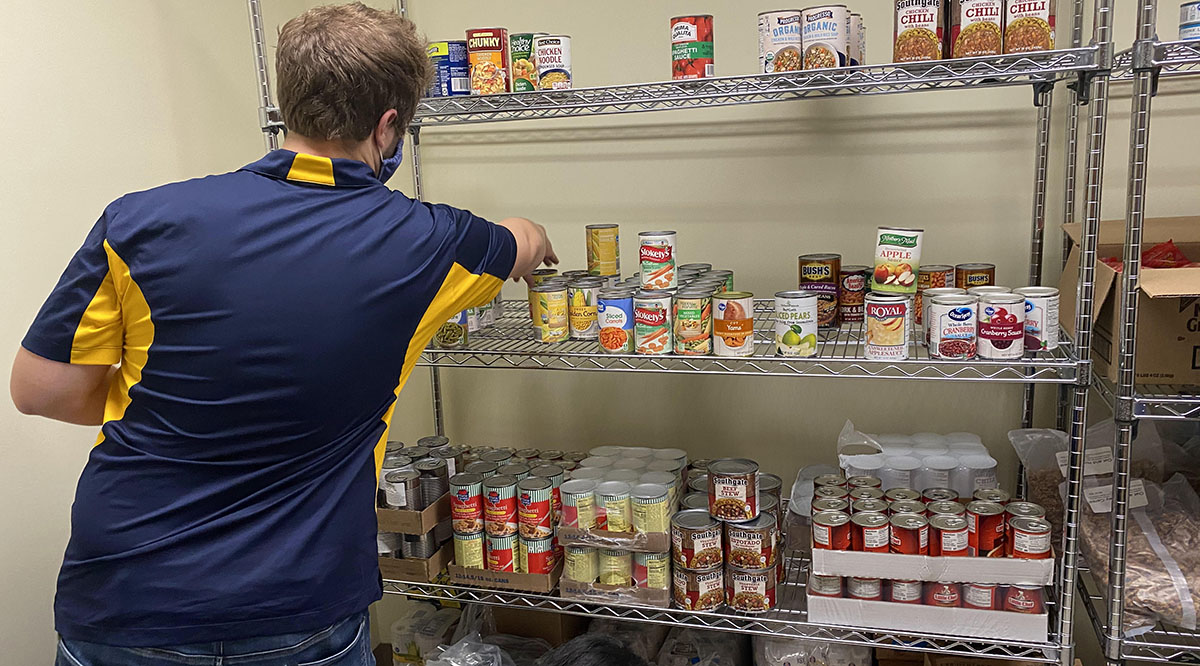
(1087, 70)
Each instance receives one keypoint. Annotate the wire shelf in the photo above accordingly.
(981, 72)
(1157, 402)
(1174, 59)
(788, 620)
(1162, 644)
(510, 344)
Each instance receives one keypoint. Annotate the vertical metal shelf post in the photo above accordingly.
(435, 376)
(1144, 74)
(1043, 95)
(1071, 172)
(269, 118)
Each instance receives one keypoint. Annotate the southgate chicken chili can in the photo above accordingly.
(918, 33)
(975, 28)
(1028, 26)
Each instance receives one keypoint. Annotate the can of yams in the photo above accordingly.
(909, 534)
(733, 323)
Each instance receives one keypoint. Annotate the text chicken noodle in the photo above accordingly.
(918, 33)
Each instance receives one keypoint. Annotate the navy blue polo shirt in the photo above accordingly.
(265, 321)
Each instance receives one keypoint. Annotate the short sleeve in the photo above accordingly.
(80, 322)
(484, 256)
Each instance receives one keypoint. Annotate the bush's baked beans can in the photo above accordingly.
(854, 280)
(536, 555)
(616, 567)
(888, 327)
(733, 323)
(750, 590)
(981, 596)
(869, 505)
(909, 534)
(831, 530)
(918, 32)
(857, 40)
(796, 323)
(946, 595)
(871, 533)
(488, 58)
(974, 275)
(985, 528)
(652, 570)
(614, 316)
(692, 47)
(652, 326)
(581, 564)
(692, 312)
(614, 511)
(466, 503)
(930, 277)
(582, 310)
(907, 592)
(1028, 538)
(1024, 599)
(1041, 317)
(468, 550)
(502, 552)
(821, 274)
(948, 536)
(699, 590)
(975, 28)
(450, 67)
(535, 508)
(867, 589)
(550, 312)
(825, 586)
(779, 46)
(733, 489)
(953, 326)
(1001, 326)
(552, 55)
(825, 32)
(1028, 26)
(946, 508)
(500, 505)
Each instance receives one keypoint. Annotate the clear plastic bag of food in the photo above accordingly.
(471, 651)
(642, 639)
(688, 647)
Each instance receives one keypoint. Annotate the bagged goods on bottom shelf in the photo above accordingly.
(688, 647)
(793, 652)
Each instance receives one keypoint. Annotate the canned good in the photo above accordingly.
(582, 564)
(452, 334)
(888, 327)
(581, 309)
(695, 539)
(820, 274)
(402, 489)
(1001, 326)
(869, 505)
(929, 277)
(820, 504)
(985, 528)
(907, 592)
(1018, 509)
(536, 555)
(836, 480)
(981, 596)
(938, 495)
(946, 508)
(867, 589)
(453, 455)
(692, 47)
(652, 571)
(779, 46)
(857, 38)
(1028, 538)
(925, 298)
(991, 495)
(830, 492)
(867, 494)
(550, 312)
(871, 532)
(579, 503)
(656, 254)
(698, 590)
(831, 530)
(974, 275)
(825, 586)
(500, 506)
(466, 503)
(435, 481)
(918, 32)
(417, 546)
(613, 508)
(752, 544)
(482, 468)
(1041, 317)
(552, 53)
(502, 552)
(449, 59)
(733, 489)
(695, 501)
(524, 71)
(975, 28)
(603, 249)
(897, 260)
(693, 321)
(1025, 599)
(909, 534)
(953, 327)
(651, 511)
(863, 481)
(468, 550)
(1189, 12)
(825, 33)
(897, 494)
(733, 323)
(1028, 26)
(535, 508)
(519, 471)
(907, 506)
(725, 276)
(614, 316)
(1189, 31)
(488, 61)
(750, 590)
(949, 536)
(854, 280)
(946, 595)
(652, 326)
(796, 323)
(769, 484)
(616, 567)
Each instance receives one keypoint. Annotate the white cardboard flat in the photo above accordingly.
(894, 566)
(968, 622)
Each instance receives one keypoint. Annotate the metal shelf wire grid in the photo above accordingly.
(1162, 644)
(1157, 402)
(1181, 58)
(789, 619)
(510, 344)
(986, 71)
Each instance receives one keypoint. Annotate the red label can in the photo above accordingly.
(981, 596)
(500, 505)
(1015, 510)
(868, 589)
(501, 553)
(1024, 599)
(537, 555)
(869, 506)
(466, 503)
(824, 586)
(946, 595)
(831, 530)
(535, 508)
(907, 591)
(1028, 538)
(907, 506)
(871, 533)
(692, 47)
(948, 507)
(985, 529)
(851, 303)
(949, 537)
(909, 534)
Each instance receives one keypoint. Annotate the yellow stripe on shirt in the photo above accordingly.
(312, 169)
(99, 336)
(138, 329)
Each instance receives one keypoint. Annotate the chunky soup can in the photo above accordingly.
(488, 56)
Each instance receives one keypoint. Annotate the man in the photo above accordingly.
(242, 340)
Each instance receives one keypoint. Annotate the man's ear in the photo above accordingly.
(385, 129)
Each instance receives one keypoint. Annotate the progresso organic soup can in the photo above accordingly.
(692, 47)
(779, 48)
(825, 30)
(488, 54)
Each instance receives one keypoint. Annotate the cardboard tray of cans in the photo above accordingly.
(621, 594)
(411, 569)
(634, 542)
(896, 566)
(967, 622)
(506, 580)
(405, 521)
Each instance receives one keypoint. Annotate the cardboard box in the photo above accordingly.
(504, 580)
(403, 521)
(383, 654)
(967, 622)
(554, 628)
(634, 542)
(951, 660)
(999, 570)
(1168, 344)
(417, 570)
(598, 593)
(899, 656)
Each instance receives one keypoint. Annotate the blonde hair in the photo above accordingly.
(340, 67)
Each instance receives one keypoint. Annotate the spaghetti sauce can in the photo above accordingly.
(854, 279)
(500, 505)
(537, 555)
(821, 274)
(733, 323)
(488, 57)
(652, 326)
(692, 47)
(614, 316)
(502, 553)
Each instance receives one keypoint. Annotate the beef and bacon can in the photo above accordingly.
(502, 552)
(536, 555)
(779, 43)
(948, 536)
(953, 326)
(450, 66)
(974, 275)
(825, 586)
(867, 589)
(934, 276)
(733, 324)
(825, 31)
(1028, 26)
(907, 592)
(975, 28)
(614, 316)
(854, 280)
(656, 255)
(1001, 326)
(871, 532)
(909, 534)
(552, 55)
(888, 327)
(500, 505)
(692, 47)
(692, 311)
(488, 57)
(1041, 317)
(796, 323)
(831, 530)
(985, 528)
(918, 32)
(652, 326)
(821, 274)
(946, 595)
(468, 550)
(466, 503)
(1028, 538)
(603, 249)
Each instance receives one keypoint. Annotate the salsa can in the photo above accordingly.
(449, 59)
(699, 590)
(888, 327)
(1001, 326)
(502, 553)
(656, 254)
(692, 311)
(909, 534)
(974, 275)
(953, 326)
(550, 312)
(733, 489)
(1028, 26)
(488, 59)
(524, 69)
(821, 274)
(616, 566)
(750, 590)
(652, 571)
(695, 539)
(468, 550)
(897, 260)
(907, 592)
(692, 47)
(854, 279)
(825, 586)
(796, 323)
(867, 589)
(614, 316)
(652, 327)
(985, 529)
(733, 324)
(466, 503)
(871, 532)
(1041, 317)
(946, 595)
(536, 555)
(918, 32)
(581, 564)
(975, 28)
(603, 249)
(1025, 599)
(831, 530)
(949, 536)
(552, 55)
(825, 33)
(779, 42)
(500, 505)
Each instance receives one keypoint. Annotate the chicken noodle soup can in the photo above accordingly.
(975, 28)
(581, 564)
(603, 249)
(779, 43)
(692, 47)
(450, 66)
(552, 54)
(888, 327)
(733, 323)
(616, 566)
(692, 311)
(1001, 326)
(652, 571)
(1041, 317)
(821, 275)
(468, 550)
(825, 32)
(952, 327)
(854, 280)
(918, 31)
(1028, 26)
(582, 309)
(796, 323)
(652, 326)
(614, 316)
(656, 254)
(897, 260)
(524, 69)
(488, 57)
(502, 553)
(536, 555)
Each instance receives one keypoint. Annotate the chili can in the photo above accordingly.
(466, 503)
(779, 42)
(450, 78)
(652, 570)
(918, 32)
(981, 596)
(831, 530)
(752, 544)
(985, 528)
(1041, 317)
(825, 33)
(695, 539)
(948, 536)
(613, 508)
(888, 327)
(468, 550)
(867, 589)
(1025, 599)
(692, 47)
(616, 566)
(652, 327)
(909, 534)
(581, 564)
(733, 489)
(975, 28)
(750, 590)
(820, 274)
(524, 71)
(871, 533)
(582, 310)
(974, 275)
(1028, 26)
(552, 55)
(907, 592)
(796, 323)
(1028, 538)
(733, 323)
(500, 506)
(854, 280)
(825, 586)
(651, 511)
(537, 555)
(579, 503)
(550, 312)
(699, 590)
(603, 249)
(501, 553)
(488, 58)
(1001, 326)
(693, 321)
(614, 316)
(946, 595)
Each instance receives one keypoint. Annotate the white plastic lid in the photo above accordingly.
(893, 439)
(905, 463)
(952, 437)
(927, 438)
(978, 462)
(865, 463)
(941, 462)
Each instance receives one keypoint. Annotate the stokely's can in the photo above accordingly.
(500, 506)
(831, 530)
(466, 503)
(468, 550)
(796, 323)
(733, 323)
(918, 32)
(825, 33)
(614, 511)
(867, 589)
(1028, 26)
(1024, 599)
(581, 564)
(579, 503)
(907, 506)
(603, 249)
(752, 544)
(656, 254)
(975, 28)
(871, 533)
(821, 274)
(698, 590)
(1028, 538)
(897, 260)
(825, 586)
(733, 489)
(985, 528)
(693, 321)
(502, 553)
(450, 77)
(695, 539)
(692, 47)
(552, 54)
(946, 508)
(854, 280)
(488, 56)
(1001, 326)
(537, 555)
(1041, 318)
(948, 536)
(616, 566)
(651, 512)
(750, 590)
(652, 570)
(652, 326)
(869, 505)
(935, 276)
(981, 596)
(582, 310)
(888, 327)
(909, 534)
(524, 69)
(953, 327)
(614, 316)
(946, 595)
(974, 275)
(534, 508)
(779, 42)
(907, 592)
(550, 312)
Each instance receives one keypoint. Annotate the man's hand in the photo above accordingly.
(533, 247)
(60, 391)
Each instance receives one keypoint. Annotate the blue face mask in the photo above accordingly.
(388, 165)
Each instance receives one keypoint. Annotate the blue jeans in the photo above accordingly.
(345, 643)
